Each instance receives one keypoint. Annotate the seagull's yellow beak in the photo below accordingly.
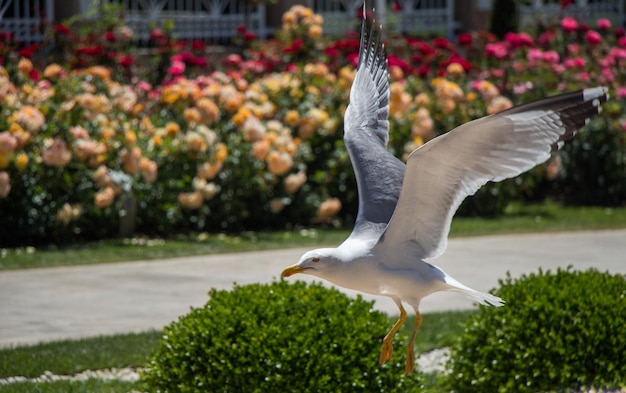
(294, 269)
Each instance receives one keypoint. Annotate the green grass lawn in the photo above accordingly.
(69, 357)
(518, 219)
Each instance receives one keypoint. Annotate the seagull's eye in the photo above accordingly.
(315, 260)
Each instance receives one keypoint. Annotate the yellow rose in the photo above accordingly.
(52, 71)
(292, 118)
(172, 128)
(100, 72)
(25, 66)
(455, 69)
(221, 152)
(192, 115)
(21, 161)
(315, 31)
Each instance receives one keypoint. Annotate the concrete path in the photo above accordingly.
(80, 301)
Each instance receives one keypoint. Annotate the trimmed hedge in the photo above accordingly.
(278, 337)
(557, 332)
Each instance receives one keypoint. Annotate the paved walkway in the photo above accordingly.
(80, 301)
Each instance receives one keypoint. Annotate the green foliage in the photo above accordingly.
(278, 337)
(600, 181)
(562, 331)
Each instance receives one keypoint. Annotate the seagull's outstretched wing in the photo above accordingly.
(378, 173)
(444, 171)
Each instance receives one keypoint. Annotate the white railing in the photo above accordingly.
(217, 20)
(414, 17)
(210, 20)
(26, 19)
(550, 11)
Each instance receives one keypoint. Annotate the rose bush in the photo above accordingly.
(255, 141)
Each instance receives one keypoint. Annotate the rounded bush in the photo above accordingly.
(562, 332)
(278, 337)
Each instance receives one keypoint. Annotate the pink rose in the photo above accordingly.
(593, 37)
(177, 68)
(603, 24)
(8, 143)
(569, 24)
(56, 153)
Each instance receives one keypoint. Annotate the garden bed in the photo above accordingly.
(98, 137)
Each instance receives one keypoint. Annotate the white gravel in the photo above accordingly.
(121, 374)
(433, 361)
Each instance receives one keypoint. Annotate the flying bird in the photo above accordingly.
(405, 212)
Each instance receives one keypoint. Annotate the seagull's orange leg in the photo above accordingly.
(387, 348)
(410, 351)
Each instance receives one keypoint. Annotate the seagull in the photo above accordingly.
(405, 211)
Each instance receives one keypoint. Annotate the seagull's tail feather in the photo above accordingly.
(479, 297)
(483, 298)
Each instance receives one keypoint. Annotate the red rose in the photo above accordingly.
(126, 61)
(62, 29)
(464, 39)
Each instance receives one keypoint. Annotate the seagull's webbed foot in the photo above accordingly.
(410, 351)
(387, 347)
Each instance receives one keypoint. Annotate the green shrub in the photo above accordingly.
(562, 332)
(278, 337)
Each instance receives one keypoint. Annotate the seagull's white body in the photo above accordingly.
(360, 266)
(405, 211)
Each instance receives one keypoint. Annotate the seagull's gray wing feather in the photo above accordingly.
(444, 171)
(366, 131)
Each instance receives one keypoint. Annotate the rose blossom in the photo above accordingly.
(130, 160)
(253, 129)
(575, 62)
(278, 163)
(56, 153)
(30, 118)
(8, 143)
(569, 24)
(593, 37)
(608, 75)
(498, 50)
(148, 169)
(177, 68)
(68, 213)
(551, 57)
(534, 55)
(190, 200)
(603, 24)
(294, 181)
(329, 208)
(499, 104)
(209, 170)
(104, 198)
(277, 205)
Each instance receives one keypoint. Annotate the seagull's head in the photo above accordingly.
(315, 262)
